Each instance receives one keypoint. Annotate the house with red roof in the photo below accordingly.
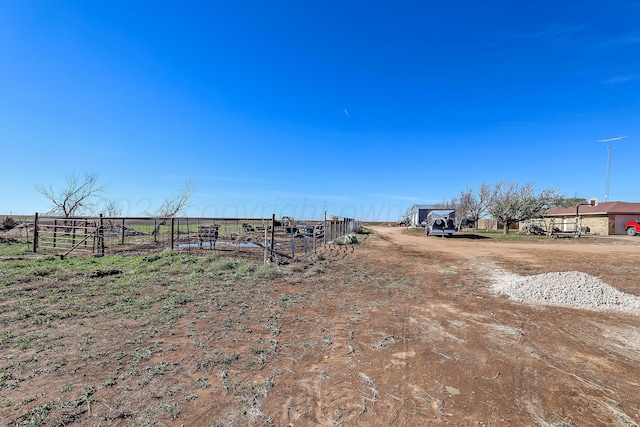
(604, 219)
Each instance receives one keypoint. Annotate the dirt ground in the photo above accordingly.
(403, 331)
(440, 349)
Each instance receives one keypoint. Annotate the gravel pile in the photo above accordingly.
(568, 288)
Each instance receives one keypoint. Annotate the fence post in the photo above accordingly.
(86, 230)
(172, 228)
(35, 233)
(188, 234)
(293, 244)
(265, 245)
(273, 230)
(324, 230)
(101, 237)
(304, 239)
(122, 231)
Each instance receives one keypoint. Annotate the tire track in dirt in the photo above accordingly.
(542, 359)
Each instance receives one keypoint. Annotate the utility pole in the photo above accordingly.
(609, 141)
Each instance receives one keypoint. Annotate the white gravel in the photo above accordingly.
(567, 288)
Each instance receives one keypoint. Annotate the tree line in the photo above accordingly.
(81, 196)
(506, 201)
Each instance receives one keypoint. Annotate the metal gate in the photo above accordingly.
(64, 235)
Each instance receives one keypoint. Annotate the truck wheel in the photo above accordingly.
(631, 231)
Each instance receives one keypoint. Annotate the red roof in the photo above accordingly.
(603, 208)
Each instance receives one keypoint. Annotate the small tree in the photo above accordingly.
(474, 206)
(112, 208)
(510, 202)
(77, 197)
(173, 205)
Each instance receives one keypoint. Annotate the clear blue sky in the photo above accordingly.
(294, 108)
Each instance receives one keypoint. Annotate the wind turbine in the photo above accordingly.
(608, 141)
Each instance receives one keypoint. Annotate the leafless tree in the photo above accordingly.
(510, 202)
(112, 208)
(77, 197)
(474, 205)
(446, 204)
(173, 205)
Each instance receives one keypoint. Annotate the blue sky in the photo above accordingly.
(355, 107)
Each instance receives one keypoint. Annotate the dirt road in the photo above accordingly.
(426, 342)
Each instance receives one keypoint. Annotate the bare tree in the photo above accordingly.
(463, 207)
(77, 197)
(112, 208)
(474, 206)
(446, 204)
(173, 205)
(510, 202)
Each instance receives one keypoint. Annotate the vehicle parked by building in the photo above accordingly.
(441, 222)
(632, 227)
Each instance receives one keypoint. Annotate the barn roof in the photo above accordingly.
(422, 207)
(603, 208)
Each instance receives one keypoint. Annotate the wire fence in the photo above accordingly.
(266, 239)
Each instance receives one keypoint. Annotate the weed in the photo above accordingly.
(171, 410)
(5, 375)
(36, 416)
(6, 337)
(216, 357)
(59, 364)
(140, 354)
(110, 382)
(267, 272)
(156, 370)
(24, 343)
(203, 382)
